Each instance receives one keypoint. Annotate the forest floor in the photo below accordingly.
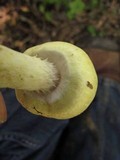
(22, 25)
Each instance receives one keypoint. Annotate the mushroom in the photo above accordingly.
(54, 79)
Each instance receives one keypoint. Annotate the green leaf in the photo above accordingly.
(54, 2)
(75, 7)
(94, 3)
(48, 16)
(92, 30)
(42, 8)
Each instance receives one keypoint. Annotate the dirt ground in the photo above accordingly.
(22, 25)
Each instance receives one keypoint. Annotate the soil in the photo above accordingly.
(22, 25)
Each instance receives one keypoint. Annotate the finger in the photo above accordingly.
(3, 111)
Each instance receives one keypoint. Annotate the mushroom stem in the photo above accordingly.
(20, 71)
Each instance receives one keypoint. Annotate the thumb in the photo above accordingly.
(3, 110)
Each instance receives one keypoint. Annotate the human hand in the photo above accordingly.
(3, 111)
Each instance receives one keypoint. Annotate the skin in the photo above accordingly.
(3, 111)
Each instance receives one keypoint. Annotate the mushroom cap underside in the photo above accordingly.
(77, 86)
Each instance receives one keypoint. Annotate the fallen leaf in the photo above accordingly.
(4, 17)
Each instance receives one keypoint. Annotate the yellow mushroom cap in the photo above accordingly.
(77, 82)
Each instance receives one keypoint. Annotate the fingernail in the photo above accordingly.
(3, 119)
